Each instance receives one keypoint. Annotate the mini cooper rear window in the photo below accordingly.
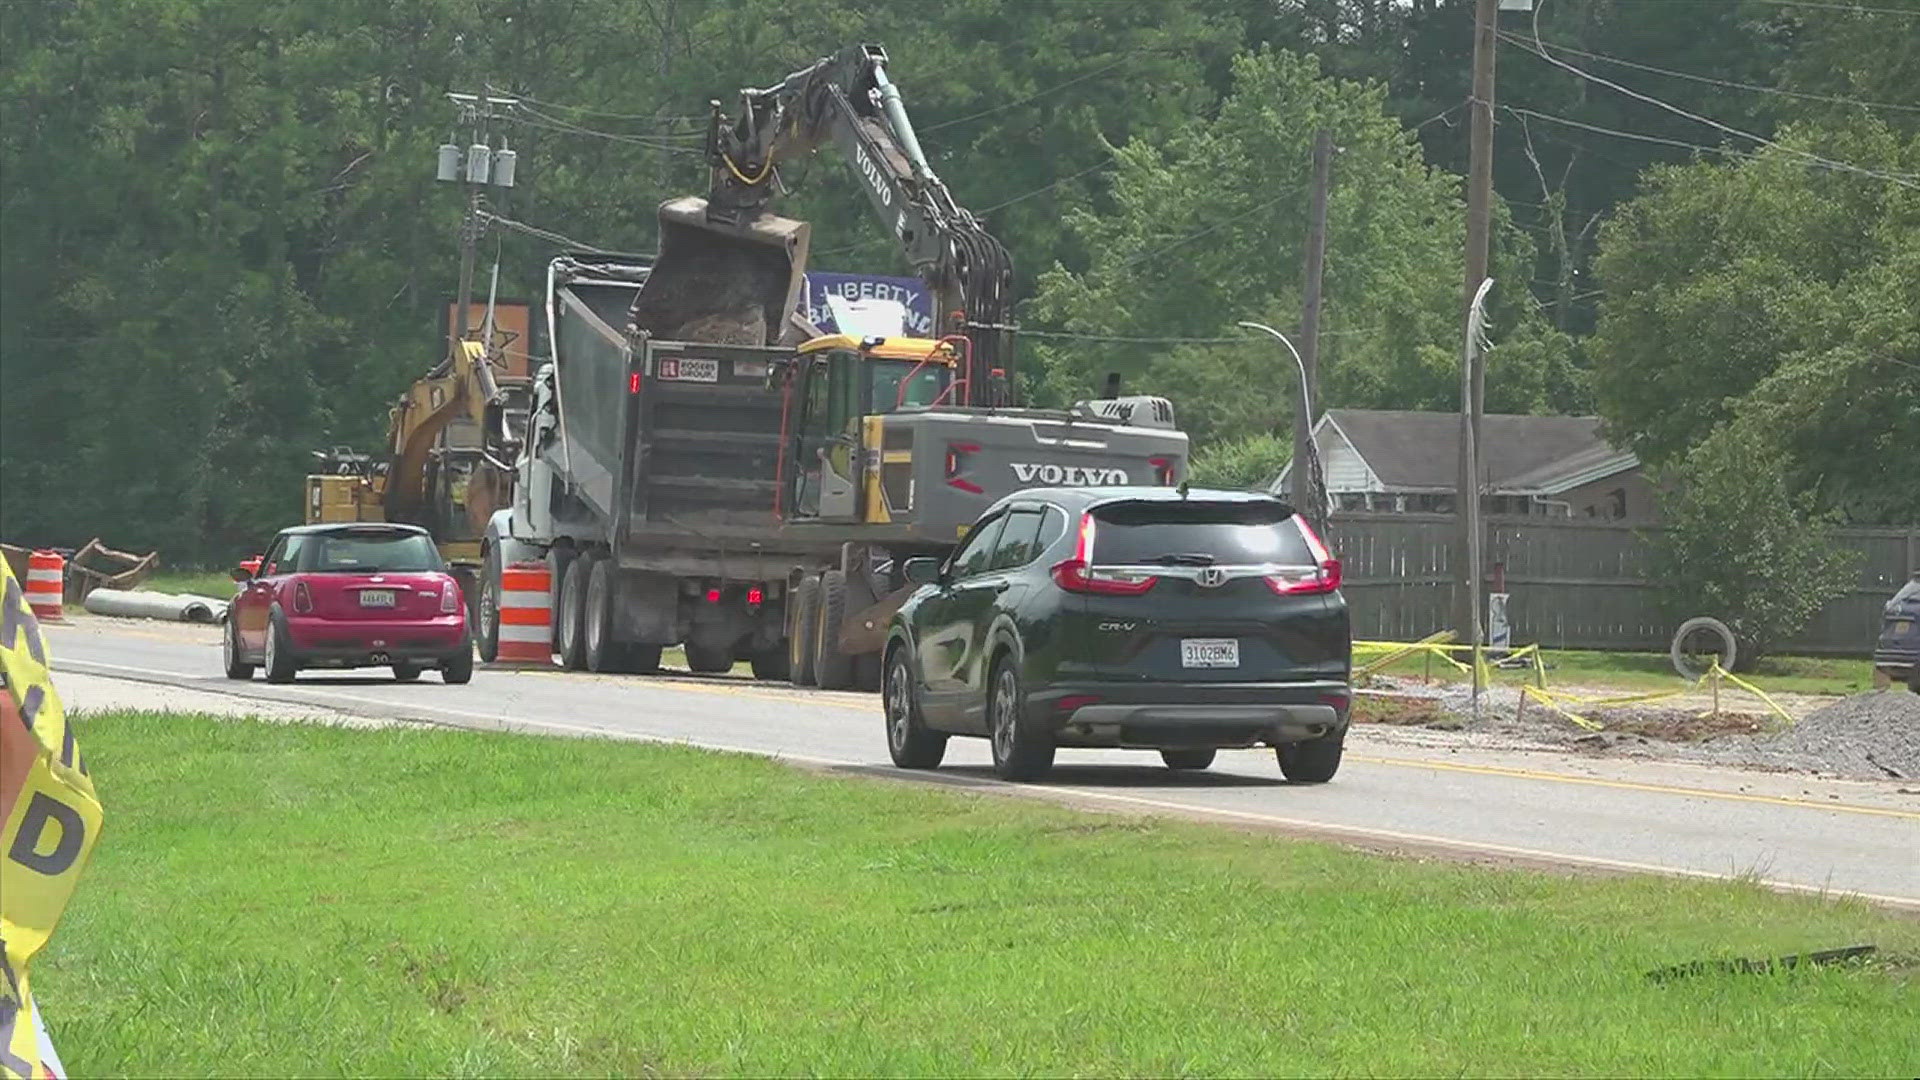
(1228, 533)
(368, 552)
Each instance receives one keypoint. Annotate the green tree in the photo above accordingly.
(1251, 462)
(1778, 297)
(1762, 572)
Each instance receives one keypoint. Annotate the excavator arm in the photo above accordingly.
(849, 100)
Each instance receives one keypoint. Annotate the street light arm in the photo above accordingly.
(1321, 515)
(1305, 394)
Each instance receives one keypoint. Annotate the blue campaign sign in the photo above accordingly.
(908, 291)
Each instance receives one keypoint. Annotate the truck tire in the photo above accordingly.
(709, 659)
(636, 659)
(806, 613)
(484, 615)
(598, 650)
(771, 664)
(570, 618)
(558, 560)
(832, 669)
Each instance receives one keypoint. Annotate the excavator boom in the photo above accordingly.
(726, 262)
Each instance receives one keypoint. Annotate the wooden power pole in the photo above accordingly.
(1473, 383)
(1310, 319)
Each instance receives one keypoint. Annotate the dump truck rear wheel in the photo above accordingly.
(806, 613)
(485, 617)
(709, 659)
(770, 664)
(571, 617)
(832, 669)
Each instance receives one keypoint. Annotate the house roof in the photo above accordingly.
(1419, 451)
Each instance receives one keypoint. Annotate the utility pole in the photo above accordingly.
(1473, 364)
(477, 165)
(1310, 316)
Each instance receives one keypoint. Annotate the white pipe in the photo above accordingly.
(151, 605)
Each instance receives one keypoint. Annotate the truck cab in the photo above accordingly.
(842, 390)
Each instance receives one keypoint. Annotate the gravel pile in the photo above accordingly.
(1874, 735)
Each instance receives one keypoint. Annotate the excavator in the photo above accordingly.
(727, 267)
(451, 438)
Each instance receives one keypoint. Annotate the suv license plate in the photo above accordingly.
(1210, 652)
(376, 598)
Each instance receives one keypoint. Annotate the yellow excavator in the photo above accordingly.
(451, 440)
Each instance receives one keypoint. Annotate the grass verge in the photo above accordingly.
(275, 899)
(214, 583)
(1654, 671)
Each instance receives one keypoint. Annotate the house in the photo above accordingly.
(1541, 466)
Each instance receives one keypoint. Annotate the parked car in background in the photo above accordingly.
(348, 596)
(1182, 621)
(1897, 653)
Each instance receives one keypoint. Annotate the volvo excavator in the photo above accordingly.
(704, 468)
(725, 259)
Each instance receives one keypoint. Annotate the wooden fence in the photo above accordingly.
(1577, 584)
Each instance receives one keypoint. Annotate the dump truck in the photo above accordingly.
(702, 468)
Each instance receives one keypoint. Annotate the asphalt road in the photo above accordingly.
(1399, 789)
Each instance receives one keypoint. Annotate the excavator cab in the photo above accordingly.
(838, 458)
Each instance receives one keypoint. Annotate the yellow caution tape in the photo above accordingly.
(51, 819)
(1441, 645)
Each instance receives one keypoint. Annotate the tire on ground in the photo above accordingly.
(570, 616)
(598, 650)
(708, 658)
(1688, 629)
(1311, 762)
(457, 670)
(770, 664)
(486, 596)
(1027, 752)
(910, 743)
(806, 613)
(832, 669)
(280, 661)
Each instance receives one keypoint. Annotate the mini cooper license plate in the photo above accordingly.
(376, 598)
(1210, 652)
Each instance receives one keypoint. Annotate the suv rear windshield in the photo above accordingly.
(1228, 533)
(368, 551)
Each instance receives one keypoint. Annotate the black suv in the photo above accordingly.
(1147, 618)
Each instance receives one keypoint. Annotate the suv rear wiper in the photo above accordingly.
(1184, 559)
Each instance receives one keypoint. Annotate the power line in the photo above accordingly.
(604, 114)
(1127, 339)
(1516, 39)
(536, 119)
(1538, 48)
(543, 234)
(1097, 166)
(1634, 135)
(1817, 4)
(1037, 95)
(1287, 194)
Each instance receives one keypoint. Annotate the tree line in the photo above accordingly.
(222, 246)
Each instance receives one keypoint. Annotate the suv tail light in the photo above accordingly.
(302, 599)
(1322, 577)
(1079, 575)
(449, 597)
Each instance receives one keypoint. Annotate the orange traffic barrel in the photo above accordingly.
(46, 585)
(526, 614)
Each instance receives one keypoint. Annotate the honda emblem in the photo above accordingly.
(1211, 577)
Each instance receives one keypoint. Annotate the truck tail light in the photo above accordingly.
(713, 596)
(756, 596)
(1322, 577)
(956, 462)
(633, 382)
(1079, 575)
(302, 599)
(449, 597)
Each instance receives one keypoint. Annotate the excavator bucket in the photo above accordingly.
(722, 282)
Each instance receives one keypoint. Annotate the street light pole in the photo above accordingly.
(1316, 514)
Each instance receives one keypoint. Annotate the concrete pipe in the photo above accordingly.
(151, 605)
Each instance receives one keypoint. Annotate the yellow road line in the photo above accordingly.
(1629, 785)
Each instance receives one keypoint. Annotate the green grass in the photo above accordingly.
(1654, 671)
(215, 583)
(280, 899)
